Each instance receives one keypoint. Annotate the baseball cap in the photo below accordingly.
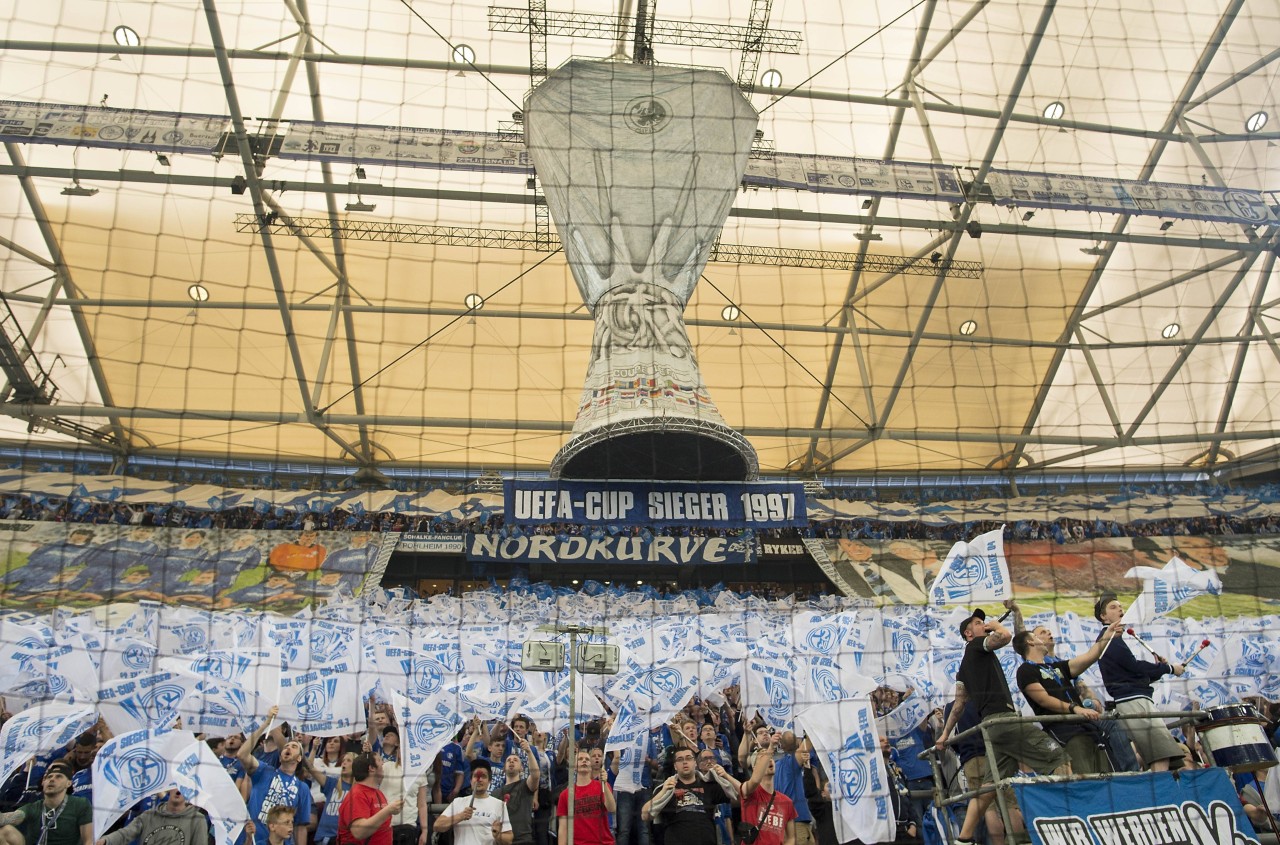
(978, 613)
(60, 766)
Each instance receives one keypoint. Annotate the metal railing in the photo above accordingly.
(999, 786)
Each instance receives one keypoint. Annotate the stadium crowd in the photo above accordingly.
(711, 775)
(1060, 531)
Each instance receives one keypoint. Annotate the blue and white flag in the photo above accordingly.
(629, 736)
(845, 737)
(204, 782)
(222, 708)
(128, 657)
(323, 702)
(148, 701)
(820, 679)
(41, 728)
(1168, 588)
(659, 687)
(551, 709)
(904, 718)
(132, 766)
(425, 729)
(973, 573)
(770, 687)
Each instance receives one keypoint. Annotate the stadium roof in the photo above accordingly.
(1010, 323)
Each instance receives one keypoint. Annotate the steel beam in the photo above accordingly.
(1179, 107)
(1242, 352)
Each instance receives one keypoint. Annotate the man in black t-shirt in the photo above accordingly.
(518, 793)
(1047, 684)
(981, 680)
(687, 803)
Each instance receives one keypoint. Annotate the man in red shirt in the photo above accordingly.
(762, 806)
(592, 803)
(365, 815)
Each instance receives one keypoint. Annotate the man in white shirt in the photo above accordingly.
(479, 818)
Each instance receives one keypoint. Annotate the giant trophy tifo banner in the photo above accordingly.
(57, 563)
(1192, 808)
(1046, 574)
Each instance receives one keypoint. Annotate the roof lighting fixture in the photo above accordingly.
(730, 313)
(473, 301)
(1166, 225)
(1055, 110)
(1170, 331)
(126, 36)
(1255, 121)
(1096, 249)
(198, 292)
(162, 159)
(868, 236)
(771, 78)
(75, 189)
(968, 327)
(361, 205)
(465, 54)
(936, 258)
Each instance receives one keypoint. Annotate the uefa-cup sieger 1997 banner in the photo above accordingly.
(713, 505)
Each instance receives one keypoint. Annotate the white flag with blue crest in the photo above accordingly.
(147, 701)
(131, 766)
(204, 782)
(973, 572)
(1168, 588)
(425, 729)
(844, 735)
(41, 728)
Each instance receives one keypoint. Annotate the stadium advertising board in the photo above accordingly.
(718, 505)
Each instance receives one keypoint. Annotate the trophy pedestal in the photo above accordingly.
(645, 412)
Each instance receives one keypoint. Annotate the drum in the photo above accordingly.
(1233, 734)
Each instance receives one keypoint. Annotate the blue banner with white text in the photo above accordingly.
(1192, 808)
(714, 505)
(545, 548)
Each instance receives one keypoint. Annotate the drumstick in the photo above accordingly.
(1143, 643)
(1203, 645)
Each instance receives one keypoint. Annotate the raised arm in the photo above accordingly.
(998, 636)
(1081, 662)
(957, 707)
(364, 828)
(535, 773)
(245, 754)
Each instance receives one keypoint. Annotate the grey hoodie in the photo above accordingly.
(162, 826)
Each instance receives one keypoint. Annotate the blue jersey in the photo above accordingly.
(906, 751)
(235, 769)
(82, 784)
(453, 764)
(273, 788)
(788, 778)
(328, 826)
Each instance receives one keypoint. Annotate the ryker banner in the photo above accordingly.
(716, 505)
(542, 548)
(1194, 808)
